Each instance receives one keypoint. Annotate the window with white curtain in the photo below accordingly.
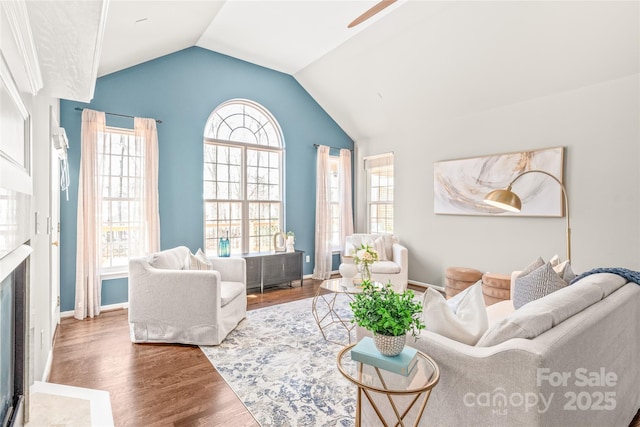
(243, 176)
(379, 176)
(121, 166)
(334, 188)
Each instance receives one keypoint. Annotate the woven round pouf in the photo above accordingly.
(496, 287)
(459, 279)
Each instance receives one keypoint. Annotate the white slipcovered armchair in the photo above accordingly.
(172, 305)
(393, 258)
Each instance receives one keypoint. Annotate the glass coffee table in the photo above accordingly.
(390, 397)
(328, 316)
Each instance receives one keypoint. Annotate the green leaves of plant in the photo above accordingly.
(384, 311)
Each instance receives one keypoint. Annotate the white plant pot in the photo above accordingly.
(389, 345)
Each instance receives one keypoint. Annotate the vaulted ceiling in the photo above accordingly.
(417, 60)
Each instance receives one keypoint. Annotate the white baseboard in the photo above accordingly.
(427, 285)
(119, 306)
(47, 367)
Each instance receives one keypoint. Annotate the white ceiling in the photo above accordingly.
(416, 62)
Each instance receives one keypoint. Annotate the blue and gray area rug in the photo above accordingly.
(285, 373)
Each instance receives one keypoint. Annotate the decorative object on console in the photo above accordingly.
(279, 242)
(460, 184)
(385, 312)
(224, 247)
(460, 278)
(510, 201)
(291, 240)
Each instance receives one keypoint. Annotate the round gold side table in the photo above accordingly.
(395, 390)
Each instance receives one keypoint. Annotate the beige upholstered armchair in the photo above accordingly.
(393, 258)
(170, 304)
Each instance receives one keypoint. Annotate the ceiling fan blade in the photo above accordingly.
(369, 13)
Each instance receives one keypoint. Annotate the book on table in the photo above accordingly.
(366, 352)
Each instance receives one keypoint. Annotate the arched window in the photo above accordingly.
(243, 157)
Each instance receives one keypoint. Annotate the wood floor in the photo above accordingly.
(154, 384)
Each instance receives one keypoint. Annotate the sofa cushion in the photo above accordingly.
(543, 314)
(466, 324)
(536, 284)
(170, 259)
(499, 311)
(385, 267)
(606, 282)
(230, 290)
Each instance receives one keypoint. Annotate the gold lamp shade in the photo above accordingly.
(509, 201)
(504, 199)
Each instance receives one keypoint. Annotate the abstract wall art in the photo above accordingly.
(460, 185)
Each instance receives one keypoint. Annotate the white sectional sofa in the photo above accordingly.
(574, 360)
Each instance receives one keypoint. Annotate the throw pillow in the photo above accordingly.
(466, 325)
(565, 271)
(199, 261)
(378, 245)
(536, 284)
(534, 265)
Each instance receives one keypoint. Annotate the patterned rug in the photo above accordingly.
(283, 370)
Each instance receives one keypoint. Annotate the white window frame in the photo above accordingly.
(117, 270)
(380, 182)
(334, 188)
(272, 145)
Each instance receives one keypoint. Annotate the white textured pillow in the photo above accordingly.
(565, 271)
(199, 261)
(378, 245)
(466, 325)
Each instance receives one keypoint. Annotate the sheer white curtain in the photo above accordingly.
(147, 137)
(345, 196)
(322, 266)
(88, 284)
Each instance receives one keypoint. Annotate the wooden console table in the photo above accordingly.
(272, 268)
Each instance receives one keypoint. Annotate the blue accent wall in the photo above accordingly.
(182, 89)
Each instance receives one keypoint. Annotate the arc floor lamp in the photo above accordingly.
(509, 201)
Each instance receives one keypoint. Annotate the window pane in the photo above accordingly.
(122, 234)
(250, 177)
(380, 194)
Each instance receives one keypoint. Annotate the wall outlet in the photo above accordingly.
(308, 258)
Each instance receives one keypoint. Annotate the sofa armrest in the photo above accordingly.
(231, 269)
(175, 297)
(401, 256)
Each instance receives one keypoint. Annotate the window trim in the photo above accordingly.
(245, 147)
(114, 271)
(377, 161)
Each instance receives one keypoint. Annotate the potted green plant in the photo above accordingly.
(388, 314)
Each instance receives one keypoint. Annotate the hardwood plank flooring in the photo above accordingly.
(157, 384)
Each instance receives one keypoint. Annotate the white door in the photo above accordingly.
(54, 234)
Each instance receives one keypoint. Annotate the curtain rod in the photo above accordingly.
(119, 115)
(335, 148)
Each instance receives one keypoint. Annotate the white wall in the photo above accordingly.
(448, 80)
(598, 125)
(17, 47)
